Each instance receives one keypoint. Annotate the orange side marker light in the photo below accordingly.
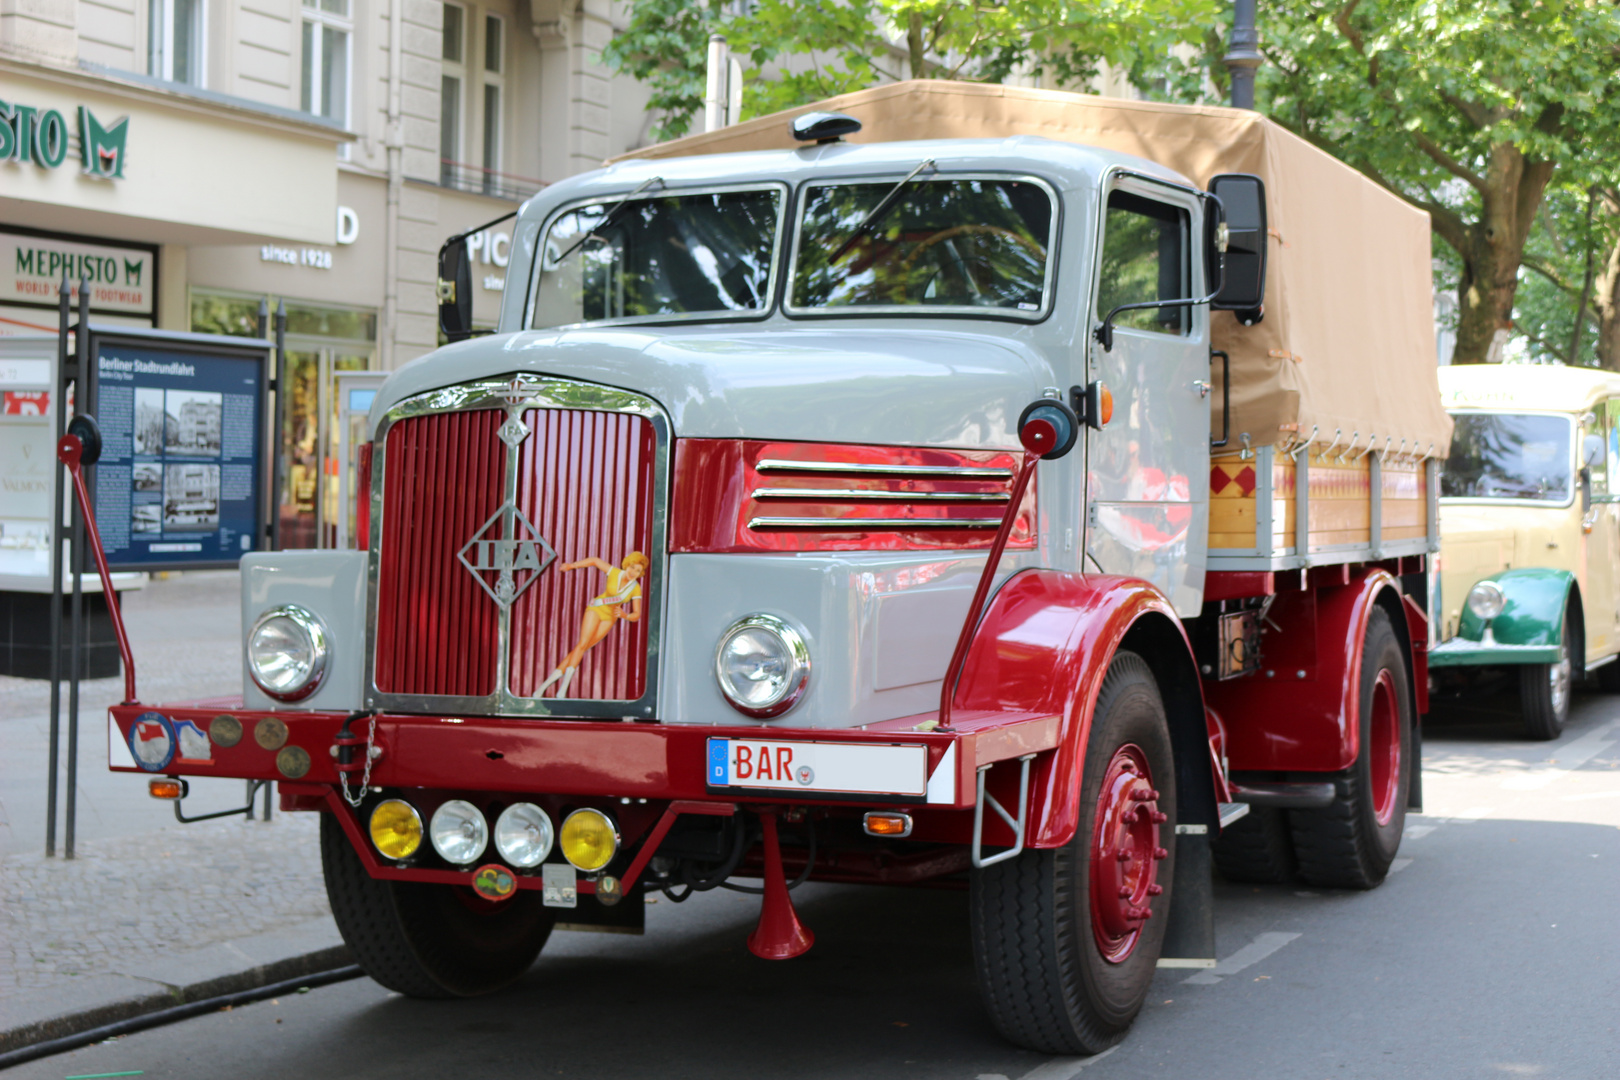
(167, 787)
(1105, 407)
(886, 823)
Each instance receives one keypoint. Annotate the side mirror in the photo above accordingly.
(455, 290)
(1243, 285)
(1591, 450)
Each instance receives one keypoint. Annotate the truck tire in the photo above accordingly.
(1350, 843)
(429, 941)
(1063, 961)
(1256, 848)
(1545, 690)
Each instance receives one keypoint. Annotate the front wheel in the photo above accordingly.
(1065, 941)
(429, 941)
(1544, 691)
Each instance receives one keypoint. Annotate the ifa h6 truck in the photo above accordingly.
(951, 485)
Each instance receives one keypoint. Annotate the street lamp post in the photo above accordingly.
(1243, 54)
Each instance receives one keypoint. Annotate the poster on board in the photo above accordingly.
(183, 475)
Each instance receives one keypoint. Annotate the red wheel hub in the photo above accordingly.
(1384, 748)
(1125, 853)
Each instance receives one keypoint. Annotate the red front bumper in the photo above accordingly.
(591, 760)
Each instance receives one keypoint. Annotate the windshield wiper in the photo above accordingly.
(877, 213)
(607, 219)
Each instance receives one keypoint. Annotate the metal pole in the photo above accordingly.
(81, 349)
(59, 406)
(1243, 54)
(278, 436)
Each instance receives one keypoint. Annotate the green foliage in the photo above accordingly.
(794, 52)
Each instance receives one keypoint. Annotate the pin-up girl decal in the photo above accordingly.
(621, 599)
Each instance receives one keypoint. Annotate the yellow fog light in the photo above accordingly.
(589, 839)
(396, 829)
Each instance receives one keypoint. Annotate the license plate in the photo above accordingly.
(851, 768)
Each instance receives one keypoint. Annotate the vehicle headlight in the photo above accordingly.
(523, 835)
(396, 828)
(762, 665)
(589, 839)
(1486, 600)
(459, 832)
(287, 651)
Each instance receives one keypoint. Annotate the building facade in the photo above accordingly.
(194, 158)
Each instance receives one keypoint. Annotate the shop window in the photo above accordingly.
(175, 40)
(326, 59)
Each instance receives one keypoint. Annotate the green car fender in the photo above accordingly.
(1534, 613)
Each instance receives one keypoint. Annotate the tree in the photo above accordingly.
(1469, 111)
(796, 52)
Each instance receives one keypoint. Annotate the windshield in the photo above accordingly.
(942, 244)
(1508, 456)
(676, 255)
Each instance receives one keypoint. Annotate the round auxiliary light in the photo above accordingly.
(396, 828)
(523, 835)
(287, 651)
(1486, 600)
(459, 832)
(762, 665)
(589, 839)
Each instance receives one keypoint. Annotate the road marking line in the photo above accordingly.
(1590, 795)
(1065, 1068)
(1468, 817)
(1571, 756)
(1418, 832)
(1251, 954)
(1398, 865)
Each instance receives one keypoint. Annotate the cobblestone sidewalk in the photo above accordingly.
(123, 902)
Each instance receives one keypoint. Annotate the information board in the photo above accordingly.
(183, 474)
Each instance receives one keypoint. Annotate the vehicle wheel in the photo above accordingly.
(1256, 848)
(429, 941)
(1065, 941)
(1350, 843)
(1544, 691)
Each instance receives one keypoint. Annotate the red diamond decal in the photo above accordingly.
(1245, 480)
(1218, 479)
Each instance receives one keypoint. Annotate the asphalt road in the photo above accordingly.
(1493, 950)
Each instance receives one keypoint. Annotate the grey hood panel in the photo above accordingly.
(911, 386)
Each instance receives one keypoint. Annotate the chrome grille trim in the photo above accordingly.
(950, 472)
(877, 495)
(848, 524)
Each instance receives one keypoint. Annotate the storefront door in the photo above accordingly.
(311, 494)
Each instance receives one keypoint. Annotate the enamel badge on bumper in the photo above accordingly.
(825, 768)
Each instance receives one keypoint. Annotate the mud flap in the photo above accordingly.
(1189, 940)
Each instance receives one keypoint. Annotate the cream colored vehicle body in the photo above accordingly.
(1555, 552)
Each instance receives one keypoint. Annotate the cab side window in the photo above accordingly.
(1145, 258)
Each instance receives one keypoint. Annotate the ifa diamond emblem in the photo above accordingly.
(511, 549)
(513, 431)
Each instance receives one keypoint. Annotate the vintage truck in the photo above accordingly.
(831, 505)
(1529, 537)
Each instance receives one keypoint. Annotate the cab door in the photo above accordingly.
(1601, 525)
(1148, 468)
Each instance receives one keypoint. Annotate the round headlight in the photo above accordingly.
(286, 652)
(589, 839)
(460, 833)
(523, 835)
(1486, 600)
(396, 828)
(762, 665)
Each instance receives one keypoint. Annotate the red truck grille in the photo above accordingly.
(584, 491)
(585, 481)
(437, 633)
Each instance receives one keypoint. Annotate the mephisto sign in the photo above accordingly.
(41, 137)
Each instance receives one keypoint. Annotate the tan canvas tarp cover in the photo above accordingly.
(1347, 347)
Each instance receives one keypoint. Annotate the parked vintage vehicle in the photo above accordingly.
(1530, 535)
(831, 502)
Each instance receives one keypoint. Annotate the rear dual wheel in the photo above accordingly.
(1351, 843)
(1065, 941)
(429, 941)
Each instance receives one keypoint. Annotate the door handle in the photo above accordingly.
(1202, 387)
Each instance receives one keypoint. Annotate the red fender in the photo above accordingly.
(1305, 716)
(1044, 645)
